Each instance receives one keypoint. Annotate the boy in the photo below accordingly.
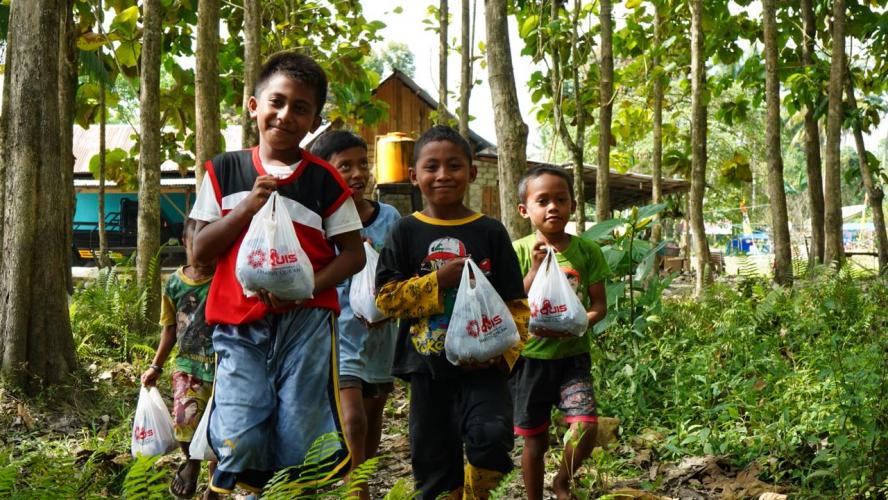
(554, 369)
(365, 351)
(451, 407)
(182, 318)
(276, 376)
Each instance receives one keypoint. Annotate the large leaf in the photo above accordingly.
(602, 231)
(650, 210)
(125, 22)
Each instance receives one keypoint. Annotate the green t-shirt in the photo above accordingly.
(584, 265)
(183, 304)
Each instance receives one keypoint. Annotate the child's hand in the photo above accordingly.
(262, 188)
(149, 377)
(499, 362)
(450, 273)
(273, 302)
(540, 249)
(370, 326)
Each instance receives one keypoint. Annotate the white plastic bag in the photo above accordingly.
(271, 257)
(362, 294)
(481, 326)
(152, 428)
(200, 449)
(553, 303)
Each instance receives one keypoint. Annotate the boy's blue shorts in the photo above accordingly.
(275, 394)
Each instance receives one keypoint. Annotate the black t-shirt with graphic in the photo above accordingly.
(418, 245)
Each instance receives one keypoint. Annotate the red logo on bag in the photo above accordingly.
(277, 259)
(487, 324)
(256, 258)
(141, 433)
(547, 309)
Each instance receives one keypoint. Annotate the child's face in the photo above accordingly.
(352, 164)
(442, 173)
(285, 112)
(548, 204)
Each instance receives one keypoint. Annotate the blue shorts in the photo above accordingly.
(275, 394)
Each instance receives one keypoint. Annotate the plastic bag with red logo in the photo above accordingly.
(152, 427)
(271, 257)
(554, 305)
(362, 294)
(481, 326)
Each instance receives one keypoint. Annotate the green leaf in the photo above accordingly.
(528, 25)
(602, 230)
(125, 22)
(128, 53)
(631, 4)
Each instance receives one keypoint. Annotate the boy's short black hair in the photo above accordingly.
(299, 67)
(333, 141)
(534, 172)
(442, 133)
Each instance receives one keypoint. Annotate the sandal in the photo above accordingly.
(180, 488)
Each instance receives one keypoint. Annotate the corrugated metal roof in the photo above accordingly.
(86, 144)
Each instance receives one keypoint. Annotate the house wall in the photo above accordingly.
(172, 205)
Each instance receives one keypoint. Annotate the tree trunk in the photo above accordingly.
(252, 64)
(832, 185)
(698, 146)
(148, 244)
(812, 141)
(605, 111)
(773, 153)
(511, 131)
(576, 147)
(102, 259)
(442, 62)
(465, 81)
(657, 153)
(873, 187)
(67, 92)
(35, 333)
(206, 86)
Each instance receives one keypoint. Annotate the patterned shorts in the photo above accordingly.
(538, 385)
(190, 396)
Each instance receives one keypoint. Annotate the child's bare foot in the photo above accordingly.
(561, 485)
(184, 483)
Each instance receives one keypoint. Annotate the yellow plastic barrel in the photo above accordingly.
(394, 152)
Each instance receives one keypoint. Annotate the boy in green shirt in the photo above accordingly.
(554, 368)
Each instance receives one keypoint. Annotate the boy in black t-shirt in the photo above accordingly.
(451, 407)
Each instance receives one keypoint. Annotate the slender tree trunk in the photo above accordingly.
(102, 260)
(606, 91)
(576, 147)
(832, 186)
(442, 62)
(698, 145)
(148, 244)
(773, 152)
(873, 187)
(812, 141)
(465, 81)
(36, 345)
(657, 154)
(206, 86)
(511, 131)
(67, 92)
(252, 48)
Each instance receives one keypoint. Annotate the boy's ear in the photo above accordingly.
(252, 103)
(316, 123)
(411, 172)
(573, 204)
(522, 211)
(473, 172)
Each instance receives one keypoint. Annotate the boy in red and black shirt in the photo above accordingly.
(275, 391)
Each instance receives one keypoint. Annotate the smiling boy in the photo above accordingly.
(453, 409)
(276, 382)
(554, 369)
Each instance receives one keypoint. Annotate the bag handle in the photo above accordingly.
(549, 258)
